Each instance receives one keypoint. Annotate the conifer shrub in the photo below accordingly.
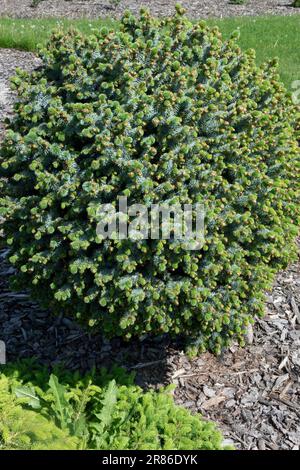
(160, 110)
(102, 411)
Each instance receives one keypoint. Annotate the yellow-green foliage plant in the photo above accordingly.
(25, 429)
(103, 411)
(163, 110)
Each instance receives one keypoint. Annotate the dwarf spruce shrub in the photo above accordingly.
(103, 411)
(163, 110)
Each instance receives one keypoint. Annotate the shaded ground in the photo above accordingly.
(253, 393)
(94, 8)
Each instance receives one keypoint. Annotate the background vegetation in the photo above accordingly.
(270, 36)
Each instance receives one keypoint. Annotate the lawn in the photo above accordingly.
(272, 36)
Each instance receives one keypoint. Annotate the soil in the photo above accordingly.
(253, 393)
(94, 8)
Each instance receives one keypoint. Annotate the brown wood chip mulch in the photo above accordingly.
(94, 8)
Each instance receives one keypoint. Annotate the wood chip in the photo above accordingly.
(214, 401)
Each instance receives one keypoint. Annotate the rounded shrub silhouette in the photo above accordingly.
(162, 110)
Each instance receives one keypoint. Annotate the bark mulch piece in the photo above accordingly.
(94, 8)
(252, 393)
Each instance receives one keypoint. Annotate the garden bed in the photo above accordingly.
(94, 8)
(252, 393)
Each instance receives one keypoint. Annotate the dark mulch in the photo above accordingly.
(252, 393)
(94, 8)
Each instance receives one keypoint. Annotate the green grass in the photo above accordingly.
(273, 36)
(270, 36)
(28, 34)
